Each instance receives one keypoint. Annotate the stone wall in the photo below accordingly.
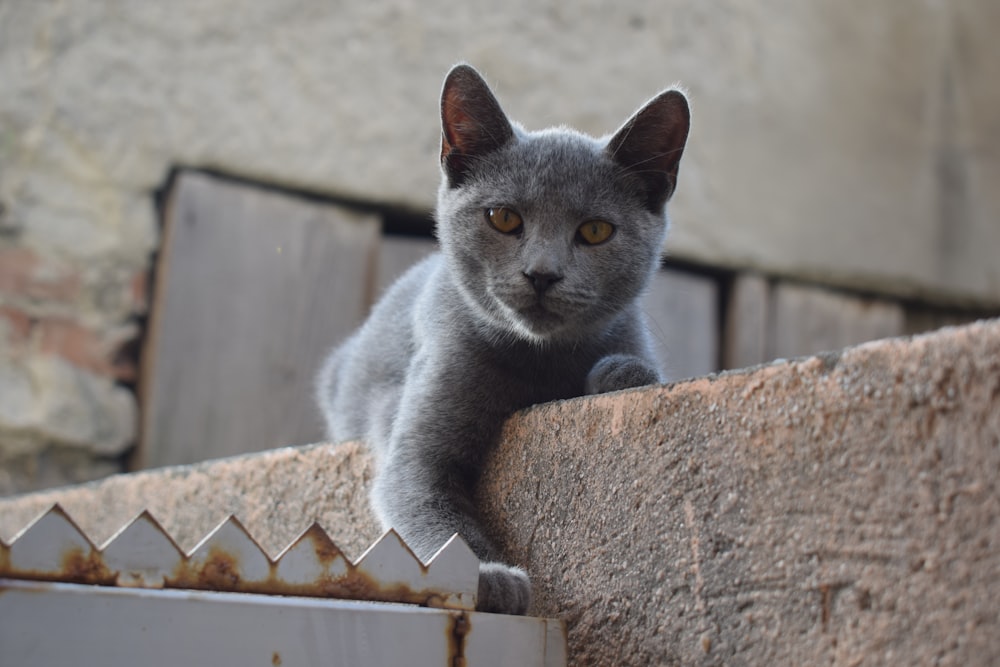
(66, 410)
(845, 145)
(841, 509)
(856, 143)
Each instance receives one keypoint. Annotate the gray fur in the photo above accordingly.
(496, 322)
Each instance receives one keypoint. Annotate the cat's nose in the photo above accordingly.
(542, 280)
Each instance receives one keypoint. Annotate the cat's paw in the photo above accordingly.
(503, 589)
(620, 371)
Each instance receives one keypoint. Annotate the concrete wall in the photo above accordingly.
(839, 510)
(853, 141)
(850, 144)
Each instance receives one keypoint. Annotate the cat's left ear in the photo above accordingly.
(472, 122)
(650, 144)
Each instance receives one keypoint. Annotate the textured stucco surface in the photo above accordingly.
(275, 494)
(849, 144)
(840, 509)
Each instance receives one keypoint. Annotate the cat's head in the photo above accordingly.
(550, 234)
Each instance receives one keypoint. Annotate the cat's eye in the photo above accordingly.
(504, 220)
(594, 232)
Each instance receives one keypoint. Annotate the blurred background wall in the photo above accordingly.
(840, 184)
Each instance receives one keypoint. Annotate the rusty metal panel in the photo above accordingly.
(52, 624)
(142, 554)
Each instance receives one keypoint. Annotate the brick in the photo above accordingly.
(16, 266)
(97, 351)
(70, 340)
(15, 329)
(26, 275)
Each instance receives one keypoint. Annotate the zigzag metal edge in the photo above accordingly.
(142, 554)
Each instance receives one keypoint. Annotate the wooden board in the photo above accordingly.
(747, 322)
(397, 254)
(808, 320)
(683, 315)
(252, 290)
(767, 321)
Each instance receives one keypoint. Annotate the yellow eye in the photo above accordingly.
(504, 219)
(594, 232)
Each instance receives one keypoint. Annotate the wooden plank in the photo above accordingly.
(396, 254)
(253, 288)
(746, 330)
(808, 320)
(682, 309)
(920, 318)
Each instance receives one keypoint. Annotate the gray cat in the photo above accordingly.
(547, 240)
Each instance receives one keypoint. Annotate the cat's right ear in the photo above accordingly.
(650, 144)
(472, 123)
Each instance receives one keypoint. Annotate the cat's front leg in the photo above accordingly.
(503, 589)
(620, 371)
(423, 489)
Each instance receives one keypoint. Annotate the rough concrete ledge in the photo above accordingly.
(838, 509)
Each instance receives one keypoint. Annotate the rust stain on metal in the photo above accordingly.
(356, 585)
(326, 551)
(75, 566)
(220, 572)
(84, 568)
(458, 630)
(315, 567)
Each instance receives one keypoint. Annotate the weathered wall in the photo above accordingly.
(853, 141)
(841, 509)
(853, 144)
